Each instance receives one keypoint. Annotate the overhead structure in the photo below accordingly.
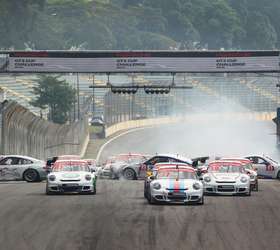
(139, 61)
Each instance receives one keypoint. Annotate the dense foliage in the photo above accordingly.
(139, 24)
(56, 95)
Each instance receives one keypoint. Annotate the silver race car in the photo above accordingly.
(265, 166)
(19, 167)
(137, 166)
(226, 177)
(174, 183)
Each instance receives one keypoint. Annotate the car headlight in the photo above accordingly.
(52, 178)
(244, 179)
(207, 179)
(196, 186)
(156, 186)
(88, 177)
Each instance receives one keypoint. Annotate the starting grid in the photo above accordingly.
(139, 62)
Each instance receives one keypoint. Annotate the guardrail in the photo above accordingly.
(24, 133)
(258, 116)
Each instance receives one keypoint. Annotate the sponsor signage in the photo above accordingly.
(143, 61)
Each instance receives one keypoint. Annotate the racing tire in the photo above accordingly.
(31, 175)
(249, 193)
(48, 192)
(145, 195)
(94, 190)
(201, 202)
(129, 174)
(256, 187)
(278, 175)
(151, 200)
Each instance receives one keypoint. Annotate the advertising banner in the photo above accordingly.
(144, 61)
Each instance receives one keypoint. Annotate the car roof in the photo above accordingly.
(173, 166)
(21, 156)
(175, 156)
(242, 160)
(71, 161)
(226, 162)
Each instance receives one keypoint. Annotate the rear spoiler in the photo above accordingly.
(197, 160)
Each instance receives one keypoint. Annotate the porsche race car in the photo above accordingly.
(250, 170)
(174, 183)
(265, 166)
(71, 176)
(226, 177)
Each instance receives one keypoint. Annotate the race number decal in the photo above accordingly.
(269, 168)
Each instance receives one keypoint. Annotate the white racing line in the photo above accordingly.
(116, 137)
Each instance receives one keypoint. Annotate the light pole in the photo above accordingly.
(78, 96)
(93, 81)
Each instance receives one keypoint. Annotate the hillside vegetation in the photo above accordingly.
(139, 24)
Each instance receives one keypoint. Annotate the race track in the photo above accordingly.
(203, 138)
(119, 217)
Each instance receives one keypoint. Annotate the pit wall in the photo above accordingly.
(24, 133)
(257, 116)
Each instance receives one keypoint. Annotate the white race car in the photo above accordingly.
(174, 183)
(265, 166)
(250, 170)
(226, 177)
(71, 176)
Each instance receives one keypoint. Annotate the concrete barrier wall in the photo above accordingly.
(27, 134)
(258, 116)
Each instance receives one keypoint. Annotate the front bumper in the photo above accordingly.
(226, 188)
(177, 197)
(69, 187)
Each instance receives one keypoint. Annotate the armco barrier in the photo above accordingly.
(258, 116)
(27, 134)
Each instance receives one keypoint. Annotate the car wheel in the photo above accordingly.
(278, 175)
(31, 175)
(48, 192)
(145, 194)
(129, 174)
(151, 200)
(201, 202)
(94, 189)
(256, 186)
(249, 192)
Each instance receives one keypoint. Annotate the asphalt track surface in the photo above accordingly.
(118, 216)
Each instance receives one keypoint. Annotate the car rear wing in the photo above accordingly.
(199, 160)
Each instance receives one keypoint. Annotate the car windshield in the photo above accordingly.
(176, 174)
(225, 168)
(271, 159)
(249, 166)
(71, 168)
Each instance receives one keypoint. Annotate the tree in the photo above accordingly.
(260, 32)
(56, 95)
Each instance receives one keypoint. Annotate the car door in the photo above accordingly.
(261, 165)
(23, 164)
(269, 169)
(9, 168)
